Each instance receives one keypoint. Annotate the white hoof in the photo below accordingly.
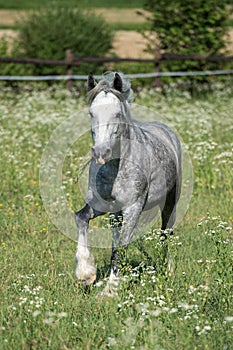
(86, 271)
(111, 288)
(87, 280)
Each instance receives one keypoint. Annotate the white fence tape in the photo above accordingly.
(138, 76)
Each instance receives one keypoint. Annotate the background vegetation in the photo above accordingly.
(42, 305)
(197, 35)
(49, 32)
(189, 28)
(28, 4)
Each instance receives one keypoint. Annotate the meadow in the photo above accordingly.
(43, 307)
(27, 4)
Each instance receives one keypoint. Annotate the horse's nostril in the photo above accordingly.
(95, 152)
(108, 152)
(92, 152)
(102, 152)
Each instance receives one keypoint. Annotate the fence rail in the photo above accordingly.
(136, 76)
(75, 61)
(72, 60)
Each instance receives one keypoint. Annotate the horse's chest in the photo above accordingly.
(104, 181)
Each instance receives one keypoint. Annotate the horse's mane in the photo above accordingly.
(106, 85)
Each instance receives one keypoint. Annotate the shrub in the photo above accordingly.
(49, 32)
(9, 49)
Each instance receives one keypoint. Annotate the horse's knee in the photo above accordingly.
(78, 218)
(79, 221)
(83, 216)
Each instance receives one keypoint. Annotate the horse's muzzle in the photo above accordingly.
(101, 154)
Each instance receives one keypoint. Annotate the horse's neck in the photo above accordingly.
(128, 135)
(132, 145)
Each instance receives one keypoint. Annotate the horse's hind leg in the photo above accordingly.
(169, 211)
(85, 267)
(168, 221)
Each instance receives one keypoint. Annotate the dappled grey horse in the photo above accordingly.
(135, 166)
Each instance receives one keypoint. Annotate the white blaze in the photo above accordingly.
(103, 110)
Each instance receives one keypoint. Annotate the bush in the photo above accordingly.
(189, 27)
(49, 32)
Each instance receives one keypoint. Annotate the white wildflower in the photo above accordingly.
(228, 318)
(36, 313)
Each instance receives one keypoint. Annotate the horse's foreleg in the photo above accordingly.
(123, 226)
(113, 281)
(131, 217)
(85, 267)
(116, 225)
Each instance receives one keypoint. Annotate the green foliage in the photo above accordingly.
(136, 68)
(7, 48)
(49, 32)
(3, 46)
(138, 27)
(189, 27)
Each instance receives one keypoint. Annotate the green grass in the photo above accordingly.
(8, 26)
(230, 22)
(28, 4)
(42, 305)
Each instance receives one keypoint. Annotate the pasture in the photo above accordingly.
(27, 4)
(42, 305)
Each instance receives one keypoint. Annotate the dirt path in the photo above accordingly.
(9, 17)
(230, 45)
(130, 44)
(121, 15)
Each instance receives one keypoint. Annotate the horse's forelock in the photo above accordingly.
(104, 85)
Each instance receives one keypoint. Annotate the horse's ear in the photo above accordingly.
(91, 83)
(117, 83)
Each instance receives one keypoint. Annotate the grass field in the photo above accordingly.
(28, 4)
(42, 305)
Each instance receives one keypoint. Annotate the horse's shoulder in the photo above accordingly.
(159, 132)
(155, 128)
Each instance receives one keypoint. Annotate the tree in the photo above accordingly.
(189, 27)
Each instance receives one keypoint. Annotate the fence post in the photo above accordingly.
(157, 56)
(69, 59)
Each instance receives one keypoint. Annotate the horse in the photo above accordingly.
(135, 166)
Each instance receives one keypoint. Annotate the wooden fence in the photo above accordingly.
(72, 60)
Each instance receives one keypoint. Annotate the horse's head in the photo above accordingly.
(107, 117)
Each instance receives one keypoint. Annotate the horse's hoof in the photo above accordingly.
(88, 281)
(111, 288)
(107, 294)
